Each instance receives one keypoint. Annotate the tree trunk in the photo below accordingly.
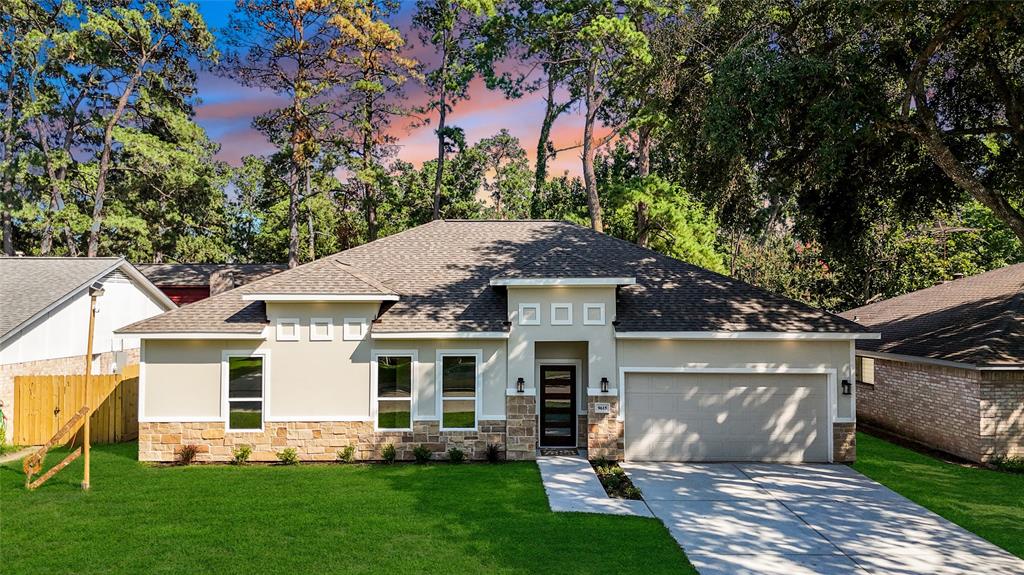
(312, 236)
(443, 113)
(8, 233)
(643, 164)
(293, 222)
(369, 201)
(540, 174)
(589, 178)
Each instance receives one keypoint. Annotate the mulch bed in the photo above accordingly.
(615, 481)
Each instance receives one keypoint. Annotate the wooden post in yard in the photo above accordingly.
(95, 291)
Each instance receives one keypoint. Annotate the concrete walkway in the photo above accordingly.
(572, 485)
(763, 519)
(18, 454)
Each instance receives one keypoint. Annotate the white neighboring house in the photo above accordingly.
(44, 317)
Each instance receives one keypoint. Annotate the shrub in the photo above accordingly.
(602, 462)
(493, 453)
(387, 453)
(456, 455)
(241, 454)
(186, 454)
(422, 454)
(632, 492)
(1009, 464)
(288, 456)
(347, 454)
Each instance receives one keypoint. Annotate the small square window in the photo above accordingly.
(287, 329)
(355, 328)
(561, 314)
(529, 314)
(321, 329)
(593, 314)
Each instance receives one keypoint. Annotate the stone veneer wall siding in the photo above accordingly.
(844, 442)
(58, 366)
(521, 427)
(604, 430)
(972, 414)
(313, 441)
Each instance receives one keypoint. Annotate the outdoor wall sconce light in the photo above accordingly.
(604, 385)
(520, 385)
(847, 388)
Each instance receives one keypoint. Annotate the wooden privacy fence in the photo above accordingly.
(44, 403)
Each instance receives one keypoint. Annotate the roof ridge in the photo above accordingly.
(959, 282)
(366, 279)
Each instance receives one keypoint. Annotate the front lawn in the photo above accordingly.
(989, 503)
(437, 518)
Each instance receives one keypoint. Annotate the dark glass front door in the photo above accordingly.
(558, 405)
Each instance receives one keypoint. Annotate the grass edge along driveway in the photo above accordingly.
(986, 502)
(439, 518)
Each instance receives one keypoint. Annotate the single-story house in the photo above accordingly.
(187, 283)
(949, 369)
(522, 334)
(44, 317)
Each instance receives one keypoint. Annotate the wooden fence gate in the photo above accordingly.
(43, 403)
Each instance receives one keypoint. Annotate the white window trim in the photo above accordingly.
(439, 389)
(283, 321)
(554, 314)
(318, 321)
(374, 399)
(522, 313)
(225, 395)
(351, 321)
(586, 314)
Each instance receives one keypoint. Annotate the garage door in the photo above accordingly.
(726, 417)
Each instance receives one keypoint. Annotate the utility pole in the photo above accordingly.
(95, 291)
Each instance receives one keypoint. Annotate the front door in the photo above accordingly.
(558, 405)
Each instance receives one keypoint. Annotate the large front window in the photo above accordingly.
(245, 393)
(394, 392)
(459, 390)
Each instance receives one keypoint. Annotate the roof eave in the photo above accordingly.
(553, 282)
(296, 297)
(756, 335)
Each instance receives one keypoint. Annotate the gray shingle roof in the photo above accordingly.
(198, 275)
(561, 262)
(971, 320)
(28, 285)
(442, 271)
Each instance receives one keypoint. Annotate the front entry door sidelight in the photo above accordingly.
(558, 405)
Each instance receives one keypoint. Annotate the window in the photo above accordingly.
(321, 329)
(561, 314)
(393, 387)
(593, 314)
(866, 370)
(287, 329)
(245, 392)
(355, 328)
(459, 376)
(529, 314)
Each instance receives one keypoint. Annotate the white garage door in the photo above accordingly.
(726, 417)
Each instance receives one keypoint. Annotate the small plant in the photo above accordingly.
(493, 453)
(456, 455)
(614, 479)
(422, 454)
(632, 492)
(1009, 464)
(388, 453)
(240, 455)
(288, 456)
(602, 462)
(186, 454)
(347, 454)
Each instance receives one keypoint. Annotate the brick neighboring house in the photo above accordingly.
(949, 369)
(187, 283)
(44, 318)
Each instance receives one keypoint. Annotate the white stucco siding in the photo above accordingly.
(63, 331)
(733, 353)
(180, 379)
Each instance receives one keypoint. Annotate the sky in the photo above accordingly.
(227, 109)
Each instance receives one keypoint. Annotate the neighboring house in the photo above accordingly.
(515, 333)
(949, 369)
(187, 283)
(44, 317)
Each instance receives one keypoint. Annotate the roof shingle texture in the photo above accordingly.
(199, 274)
(442, 273)
(561, 262)
(29, 285)
(973, 320)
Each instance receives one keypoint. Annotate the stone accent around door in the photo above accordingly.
(521, 427)
(313, 441)
(604, 430)
(844, 442)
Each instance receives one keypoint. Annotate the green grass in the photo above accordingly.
(312, 519)
(989, 503)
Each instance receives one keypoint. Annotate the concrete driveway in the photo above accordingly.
(763, 519)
